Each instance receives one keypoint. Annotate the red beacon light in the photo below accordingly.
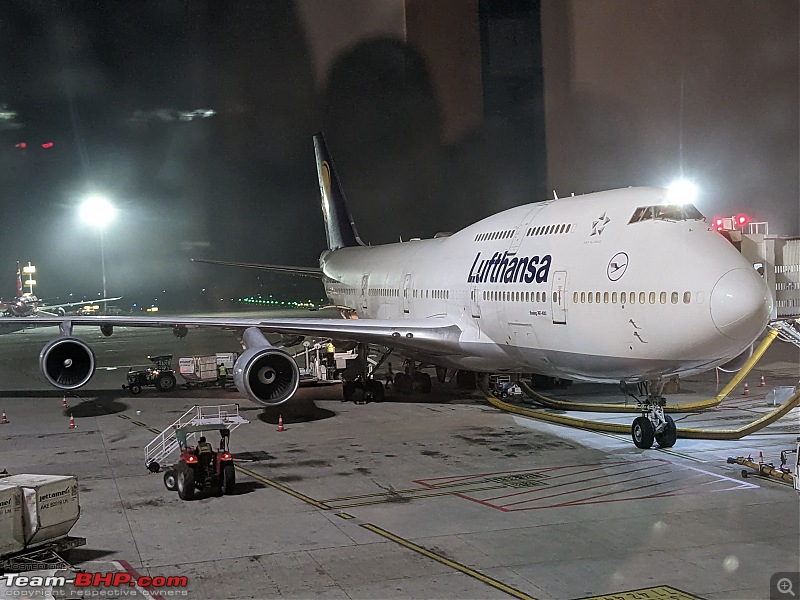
(719, 224)
(742, 220)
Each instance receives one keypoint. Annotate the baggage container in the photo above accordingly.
(12, 537)
(198, 369)
(49, 508)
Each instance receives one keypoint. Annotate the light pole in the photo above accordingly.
(98, 212)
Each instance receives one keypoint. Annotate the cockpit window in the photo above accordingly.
(667, 212)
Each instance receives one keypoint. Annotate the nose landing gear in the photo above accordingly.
(653, 425)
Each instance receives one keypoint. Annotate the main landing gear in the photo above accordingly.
(653, 425)
(363, 387)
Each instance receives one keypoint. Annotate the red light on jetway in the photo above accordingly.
(719, 224)
(47, 145)
(22, 145)
(742, 220)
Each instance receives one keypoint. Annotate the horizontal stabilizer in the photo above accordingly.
(286, 269)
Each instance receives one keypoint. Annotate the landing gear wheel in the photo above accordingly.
(403, 383)
(348, 387)
(441, 374)
(135, 389)
(668, 435)
(422, 382)
(228, 479)
(642, 433)
(165, 382)
(354, 392)
(375, 390)
(186, 484)
(170, 480)
(465, 380)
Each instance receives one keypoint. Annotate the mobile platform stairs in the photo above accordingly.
(166, 442)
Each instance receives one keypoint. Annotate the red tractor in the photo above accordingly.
(201, 467)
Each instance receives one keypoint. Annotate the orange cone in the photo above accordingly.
(746, 391)
(5, 419)
(72, 422)
(280, 423)
(761, 458)
(64, 403)
(763, 383)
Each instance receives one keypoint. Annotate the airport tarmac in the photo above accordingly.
(421, 496)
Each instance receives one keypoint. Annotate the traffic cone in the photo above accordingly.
(5, 419)
(72, 422)
(746, 391)
(761, 458)
(64, 403)
(280, 423)
(763, 383)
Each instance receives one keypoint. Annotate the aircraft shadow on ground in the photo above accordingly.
(301, 411)
(54, 393)
(81, 555)
(96, 408)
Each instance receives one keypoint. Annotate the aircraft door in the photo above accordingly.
(559, 297)
(364, 291)
(522, 231)
(473, 300)
(406, 293)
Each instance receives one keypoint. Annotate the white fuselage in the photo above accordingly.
(603, 287)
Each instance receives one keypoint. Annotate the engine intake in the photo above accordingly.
(263, 373)
(67, 363)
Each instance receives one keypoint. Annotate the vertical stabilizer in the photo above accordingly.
(339, 227)
(19, 282)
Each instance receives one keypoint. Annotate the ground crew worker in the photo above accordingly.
(222, 373)
(204, 451)
(330, 350)
(389, 376)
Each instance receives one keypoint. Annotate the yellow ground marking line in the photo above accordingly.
(673, 408)
(345, 516)
(390, 499)
(284, 489)
(661, 592)
(498, 585)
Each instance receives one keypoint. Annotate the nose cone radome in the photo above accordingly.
(741, 304)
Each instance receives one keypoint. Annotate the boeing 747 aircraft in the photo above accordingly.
(618, 286)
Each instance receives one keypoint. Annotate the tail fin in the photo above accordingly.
(19, 282)
(339, 227)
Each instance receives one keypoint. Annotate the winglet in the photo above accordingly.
(339, 227)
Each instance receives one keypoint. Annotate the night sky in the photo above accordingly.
(113, 86)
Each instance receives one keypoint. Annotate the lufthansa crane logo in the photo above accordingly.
(617, 265)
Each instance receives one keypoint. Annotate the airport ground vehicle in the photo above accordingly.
(212, 471)
(161, 375)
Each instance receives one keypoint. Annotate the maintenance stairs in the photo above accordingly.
(166, 442)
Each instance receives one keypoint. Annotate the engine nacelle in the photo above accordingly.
(735, 364)
(263, 373)
(67, 363)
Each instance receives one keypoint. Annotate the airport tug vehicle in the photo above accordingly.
(161, 375)
(205, 471)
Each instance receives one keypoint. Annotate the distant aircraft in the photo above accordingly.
(27, 304)
(618, 286)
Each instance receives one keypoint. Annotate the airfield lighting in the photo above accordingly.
(98, 212)
(681, 191)
(29, 271)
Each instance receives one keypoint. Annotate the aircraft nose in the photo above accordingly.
(741, 304)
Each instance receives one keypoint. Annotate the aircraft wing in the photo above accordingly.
(435, 336)
(45, 310)
(315, 272)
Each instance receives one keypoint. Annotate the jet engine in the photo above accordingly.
(265, 374)
(67, 363)
(734, 364)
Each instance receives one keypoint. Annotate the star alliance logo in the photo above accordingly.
(600, 224)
